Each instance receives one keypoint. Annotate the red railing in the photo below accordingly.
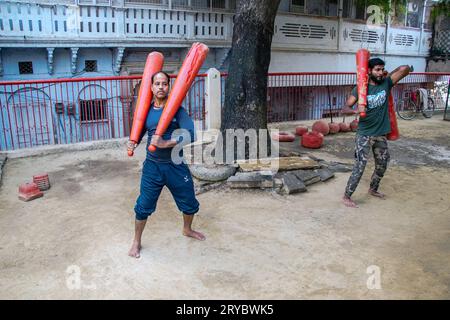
(315, 95)
(55, 111)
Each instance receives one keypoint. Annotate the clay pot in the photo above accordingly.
(344, 127)
(312, 140)
(301, 131)
(354, 125)
(321, 126)
(334, 127)
(283, 137)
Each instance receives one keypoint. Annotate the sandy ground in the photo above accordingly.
(73, 242)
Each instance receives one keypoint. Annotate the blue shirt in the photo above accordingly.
(181, 120)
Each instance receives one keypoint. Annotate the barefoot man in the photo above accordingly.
(373, 128)
(159, 170)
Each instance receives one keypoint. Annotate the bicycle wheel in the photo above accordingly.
(406, 109)
(428, 111)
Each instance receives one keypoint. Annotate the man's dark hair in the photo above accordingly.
(168, 77)
(375, 62)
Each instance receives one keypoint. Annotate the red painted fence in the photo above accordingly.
(61, 111)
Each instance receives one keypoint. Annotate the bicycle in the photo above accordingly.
(410, 105)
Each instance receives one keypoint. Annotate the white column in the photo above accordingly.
(213, 103)
(190, 23)
(73, 20)
(120, 22)
(46, 18)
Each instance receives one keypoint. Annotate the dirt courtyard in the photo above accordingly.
(73, 242)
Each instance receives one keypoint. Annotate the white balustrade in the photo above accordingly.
(87, 20)
(292, 31)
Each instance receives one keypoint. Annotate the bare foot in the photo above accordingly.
(349, 202)
(135, 250)
(194, 234)
(377, 194)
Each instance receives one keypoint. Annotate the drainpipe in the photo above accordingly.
(387, 21)
(422, 24)
(339, 26)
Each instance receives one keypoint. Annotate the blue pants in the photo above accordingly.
(156, 175)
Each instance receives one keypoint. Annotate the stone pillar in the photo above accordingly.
(213, 103)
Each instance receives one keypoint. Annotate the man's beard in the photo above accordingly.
(374, 79)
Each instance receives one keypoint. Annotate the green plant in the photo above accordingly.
(442, 8)
(392, 7)
(383, 4)
(399, 7)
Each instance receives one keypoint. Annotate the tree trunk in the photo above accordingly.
(246, 85)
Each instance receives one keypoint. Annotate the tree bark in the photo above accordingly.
(246, 85)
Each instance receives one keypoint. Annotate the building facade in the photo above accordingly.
(76, 38)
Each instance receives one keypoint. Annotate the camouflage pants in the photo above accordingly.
(381, 155)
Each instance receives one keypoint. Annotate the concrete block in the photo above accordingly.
(325, 174)
(307, 176)
(291, 184)
(336, 166)
(213, 173)
(255, 179)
